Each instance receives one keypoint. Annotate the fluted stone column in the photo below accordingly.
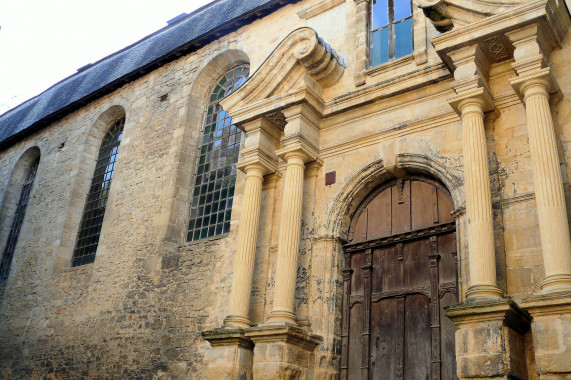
(288, 241)
(246, 249)
(482, 256)
(548, 184)
(262, 137)
(300, 132)
(533, 84)
(473, 99)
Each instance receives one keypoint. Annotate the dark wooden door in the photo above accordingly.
(400, 271)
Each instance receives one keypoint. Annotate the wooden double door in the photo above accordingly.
(400, 271)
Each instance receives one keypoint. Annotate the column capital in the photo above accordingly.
(298, 147)
(256, 158)
(540, 81)
(476, 100)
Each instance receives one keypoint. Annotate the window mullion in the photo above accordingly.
(391, 16)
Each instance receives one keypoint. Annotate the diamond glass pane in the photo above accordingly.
(16, 225)
(215, 178)
(94, 210)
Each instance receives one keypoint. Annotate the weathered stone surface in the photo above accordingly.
(139, 311)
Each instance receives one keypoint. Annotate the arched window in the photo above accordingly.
(216, 167)
(16, 225)
(94, 210)
(391, 30)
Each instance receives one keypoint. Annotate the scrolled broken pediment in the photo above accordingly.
(448, 14)
(302, 63)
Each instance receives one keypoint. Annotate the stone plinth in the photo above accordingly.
(489, 339)
(231, 356)
(283, 352)
(551, 331)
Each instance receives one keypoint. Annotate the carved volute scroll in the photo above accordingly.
(300, 66)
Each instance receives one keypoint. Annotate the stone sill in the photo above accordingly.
(389, 66)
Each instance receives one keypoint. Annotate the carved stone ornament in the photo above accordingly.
(447, 14)
(300, 66)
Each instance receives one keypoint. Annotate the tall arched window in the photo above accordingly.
(94, 210)
(16, 225)
(216, 167)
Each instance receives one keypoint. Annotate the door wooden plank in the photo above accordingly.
(379, 216)
(418, 334)
(360, 231)
(355, 330)
(401, 207)
(447, 341)
(422, 204)
(383, 339)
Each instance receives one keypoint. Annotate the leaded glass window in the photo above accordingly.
(215, 177)
(17, 222)
(94, 210)
(391, 27)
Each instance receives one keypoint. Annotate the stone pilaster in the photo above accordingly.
(533, 84)
(300, 133)
(258, 161)
(551, 329)
(490, 339)
(231, 355)
(283, 352)
(472, 100)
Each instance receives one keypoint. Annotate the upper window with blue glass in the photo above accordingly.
(391, 30)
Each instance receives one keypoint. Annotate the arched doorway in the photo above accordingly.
(400, 271)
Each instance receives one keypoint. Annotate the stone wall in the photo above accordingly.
(140, 309)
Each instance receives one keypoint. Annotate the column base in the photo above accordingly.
(283, 352)
(484, 292)
(231, 356)
(236, 321)
(556, 283)
(551, 338)
(281, 317)
(489, 340)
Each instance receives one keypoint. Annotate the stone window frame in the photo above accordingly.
(87, 153)
(362, 58)
(201, 85)
(12, 196)
(100, 196)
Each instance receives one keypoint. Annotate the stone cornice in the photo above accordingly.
(319, 8)
(551, 15)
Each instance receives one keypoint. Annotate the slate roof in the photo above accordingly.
(93, 81)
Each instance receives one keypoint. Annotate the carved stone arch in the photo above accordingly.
(191, 131)
(375, 174)
(87, 158)
(13, 189)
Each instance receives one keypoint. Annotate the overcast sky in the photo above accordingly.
(44, 41)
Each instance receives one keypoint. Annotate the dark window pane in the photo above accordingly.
(15, 227)
(380, 14)
(402, 9)
(403, 38)
(216, 163)
(380, 51)
(92, 218)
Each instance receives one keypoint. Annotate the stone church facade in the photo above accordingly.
(312, 189)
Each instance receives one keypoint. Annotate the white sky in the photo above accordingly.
(44, 41)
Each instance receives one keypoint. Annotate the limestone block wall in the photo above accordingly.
(140, 308)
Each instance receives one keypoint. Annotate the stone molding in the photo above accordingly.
(547, 304)
(319, 8)
(285, 334)
(550, 15)
(228, 337)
